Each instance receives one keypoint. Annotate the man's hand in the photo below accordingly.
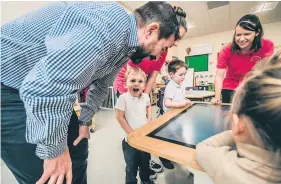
(57, 169)
(84, 132)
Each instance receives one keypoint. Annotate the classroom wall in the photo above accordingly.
(13, 9)
(10, 10)
(272, 32)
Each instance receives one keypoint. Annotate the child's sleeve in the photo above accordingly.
(212, 151)
(120, 104)
(147, 100)
(169, 92)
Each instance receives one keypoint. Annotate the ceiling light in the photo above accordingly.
(270, 6)
(263, 7)
(190, 26)
(257, 8)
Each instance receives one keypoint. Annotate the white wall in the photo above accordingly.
(13, 9)
(272, 32)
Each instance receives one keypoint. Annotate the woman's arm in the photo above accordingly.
(149, 113)
(218, 84)
(150, 82)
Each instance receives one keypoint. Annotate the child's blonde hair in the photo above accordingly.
(258, 99)
(135, 70)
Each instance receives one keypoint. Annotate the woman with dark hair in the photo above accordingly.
(237, 58)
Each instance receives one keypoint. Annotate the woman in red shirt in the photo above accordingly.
(237, 58)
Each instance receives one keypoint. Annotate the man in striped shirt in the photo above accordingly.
(50, 55)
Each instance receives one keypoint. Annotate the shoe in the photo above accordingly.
(167, 163)
(155, 167)
(148, 182)
(152, 175)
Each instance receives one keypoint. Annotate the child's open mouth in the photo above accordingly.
(135, 89)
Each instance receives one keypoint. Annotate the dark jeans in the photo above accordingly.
(20, 156)
(135, 159)
(118, 94)
(227, 95)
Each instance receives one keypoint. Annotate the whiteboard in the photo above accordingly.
(201, 49)
(188, 80)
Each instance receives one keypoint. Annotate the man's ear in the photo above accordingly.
(150, 28)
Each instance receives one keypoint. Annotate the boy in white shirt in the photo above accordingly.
(174, 91)
(133, 110)
(174, 94)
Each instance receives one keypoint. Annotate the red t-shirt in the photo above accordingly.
(147, 65)
(238, 65)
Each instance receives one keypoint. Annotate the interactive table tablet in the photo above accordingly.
(175, 134)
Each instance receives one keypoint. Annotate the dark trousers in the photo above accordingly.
(135, 159)
(20, 156)
(227, 95)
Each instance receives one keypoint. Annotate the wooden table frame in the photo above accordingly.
(177, 153)
(189, 95)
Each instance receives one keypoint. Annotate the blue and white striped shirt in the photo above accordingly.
(53, 53)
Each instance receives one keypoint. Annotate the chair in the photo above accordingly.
(191, 88)
(160, 101)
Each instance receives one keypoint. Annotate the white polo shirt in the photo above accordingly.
(134, 109)
(175, 92)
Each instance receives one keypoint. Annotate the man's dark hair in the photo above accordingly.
(249, 22)
(176, 64)
(161, 12)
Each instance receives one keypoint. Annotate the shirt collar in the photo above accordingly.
(176, 84)
(133, 37)
(265, 157)
(133, 97)
(246, 54)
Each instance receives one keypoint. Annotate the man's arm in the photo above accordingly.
(49, 90)
(77, 45)
(96, 95)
